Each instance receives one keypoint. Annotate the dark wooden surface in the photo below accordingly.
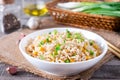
(109, 71)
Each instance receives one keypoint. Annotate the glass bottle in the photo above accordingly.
(34, 7)
(9, 16)
(35, 11)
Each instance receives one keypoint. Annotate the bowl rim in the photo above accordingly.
(102, 54)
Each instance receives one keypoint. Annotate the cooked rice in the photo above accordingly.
(63, 47)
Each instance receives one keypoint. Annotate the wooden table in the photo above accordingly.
(109, 71)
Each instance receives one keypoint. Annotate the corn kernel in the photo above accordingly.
(44, 41)
(35, 53)
(42, 49)
(95, 46)
(50, 39)
(72, 60)
(88, 57)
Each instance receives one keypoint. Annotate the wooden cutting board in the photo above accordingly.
(10, 54)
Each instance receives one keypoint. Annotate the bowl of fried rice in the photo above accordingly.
(63, 51)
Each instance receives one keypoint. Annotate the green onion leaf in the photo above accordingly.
(87, 50)
(67, 61)
(68, 35)
(57, 47)
(77, 36)
(64, 41)
(81, 40)
(49, 32)
(54, 53)
(91, 42)
(41, 43)
(47, 39)
(91, 52)
(55, 32)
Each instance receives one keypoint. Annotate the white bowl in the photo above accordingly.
(61, 69)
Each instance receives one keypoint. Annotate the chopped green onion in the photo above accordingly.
(80, 40)
(67, 61)
(57, 47)
(55, 32)
(91, 42)
(47, 40)
(41, 43)
(49, 32)
(68, 35)
(77, 35)
(91, 52)
(54, 53)
(64, 41)
(67, 31)
(87, 50)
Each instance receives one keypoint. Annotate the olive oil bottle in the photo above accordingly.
(35, 10)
